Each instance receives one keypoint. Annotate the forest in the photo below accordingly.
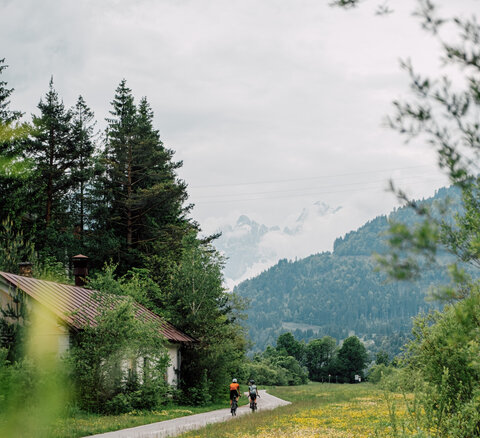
(343, 292)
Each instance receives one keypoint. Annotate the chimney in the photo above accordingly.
(25, 269)
(80, 269)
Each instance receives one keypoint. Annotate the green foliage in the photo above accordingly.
(265, 373)
(288, 345)
(140, 199)
(6, 115)
(15, 248)
(382, 358)
(276, 366)
(106, 358)
(319, 355)
(378, 372)
(351, 359)
(445, 351)
(136, 283)
(199, 305)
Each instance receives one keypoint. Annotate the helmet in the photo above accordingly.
(252, 381)
(234, 381)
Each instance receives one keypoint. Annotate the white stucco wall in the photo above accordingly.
(173, 353)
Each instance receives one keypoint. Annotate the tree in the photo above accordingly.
(52, 149)
(352, 359)
(381, 357)
(6, 114)
(290, 346)
(200, 306)
(83, 126)
(14, 171)
(141, 203)
(319, 354)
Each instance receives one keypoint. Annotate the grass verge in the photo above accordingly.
(84, 424)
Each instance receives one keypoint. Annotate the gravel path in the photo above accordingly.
(180, 425)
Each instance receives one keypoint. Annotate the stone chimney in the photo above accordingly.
(80, 269)
(25, 269)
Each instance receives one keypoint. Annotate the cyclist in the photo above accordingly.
(253, 393)
(234, 390)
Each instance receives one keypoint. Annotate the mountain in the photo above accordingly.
(251, 247)
(340, 293)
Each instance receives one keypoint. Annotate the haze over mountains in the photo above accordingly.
(336, 293)
(251, 247)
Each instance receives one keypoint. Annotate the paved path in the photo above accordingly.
(180, 425)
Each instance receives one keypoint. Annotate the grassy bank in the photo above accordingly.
(317, 410)
(83, 424)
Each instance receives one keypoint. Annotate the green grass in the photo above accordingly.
(83, 424)
(320, 410)
(328, 410)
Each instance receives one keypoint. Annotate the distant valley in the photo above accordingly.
(338, 293)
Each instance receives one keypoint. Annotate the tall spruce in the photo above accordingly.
(53, 150)
(118, 159)
(140, 187)
(6, 114)
(13, 170)
(159, 200)
(83, 137)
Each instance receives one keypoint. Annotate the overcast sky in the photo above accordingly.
(272, 105)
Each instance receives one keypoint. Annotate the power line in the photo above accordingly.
(356, 184)
(307, 178)
(300, 194)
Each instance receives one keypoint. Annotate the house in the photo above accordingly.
(69, 309)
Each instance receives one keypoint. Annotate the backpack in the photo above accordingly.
(253, 389)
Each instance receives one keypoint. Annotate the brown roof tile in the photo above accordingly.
(79, 307)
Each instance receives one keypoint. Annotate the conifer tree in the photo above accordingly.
(13, 170)
(140, 187)
(6, 114)
(53, 150)
(118, 159)
(83, 133)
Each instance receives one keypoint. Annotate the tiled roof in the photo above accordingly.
(79, 307)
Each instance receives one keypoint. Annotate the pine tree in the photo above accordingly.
(83, 133)
(139, 186)
(6, 115)
(53, 150)
(13, 170)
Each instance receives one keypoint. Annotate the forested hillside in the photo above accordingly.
(341, 293)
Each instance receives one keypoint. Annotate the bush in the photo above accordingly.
(98, 362)
(265, 374)
(378, 372)
(200, 394)
(119, 404)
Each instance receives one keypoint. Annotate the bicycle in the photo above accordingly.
(233, 408)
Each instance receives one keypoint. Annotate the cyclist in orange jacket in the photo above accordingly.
(234, 390)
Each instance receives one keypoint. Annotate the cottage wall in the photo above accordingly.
(172, 370)
(50, 332)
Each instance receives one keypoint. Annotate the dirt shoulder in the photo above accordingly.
(178, 426)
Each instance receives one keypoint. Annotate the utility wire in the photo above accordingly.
(306, 189)
(232, 198)
(370, 172)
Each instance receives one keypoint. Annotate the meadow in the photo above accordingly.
(317, 410)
